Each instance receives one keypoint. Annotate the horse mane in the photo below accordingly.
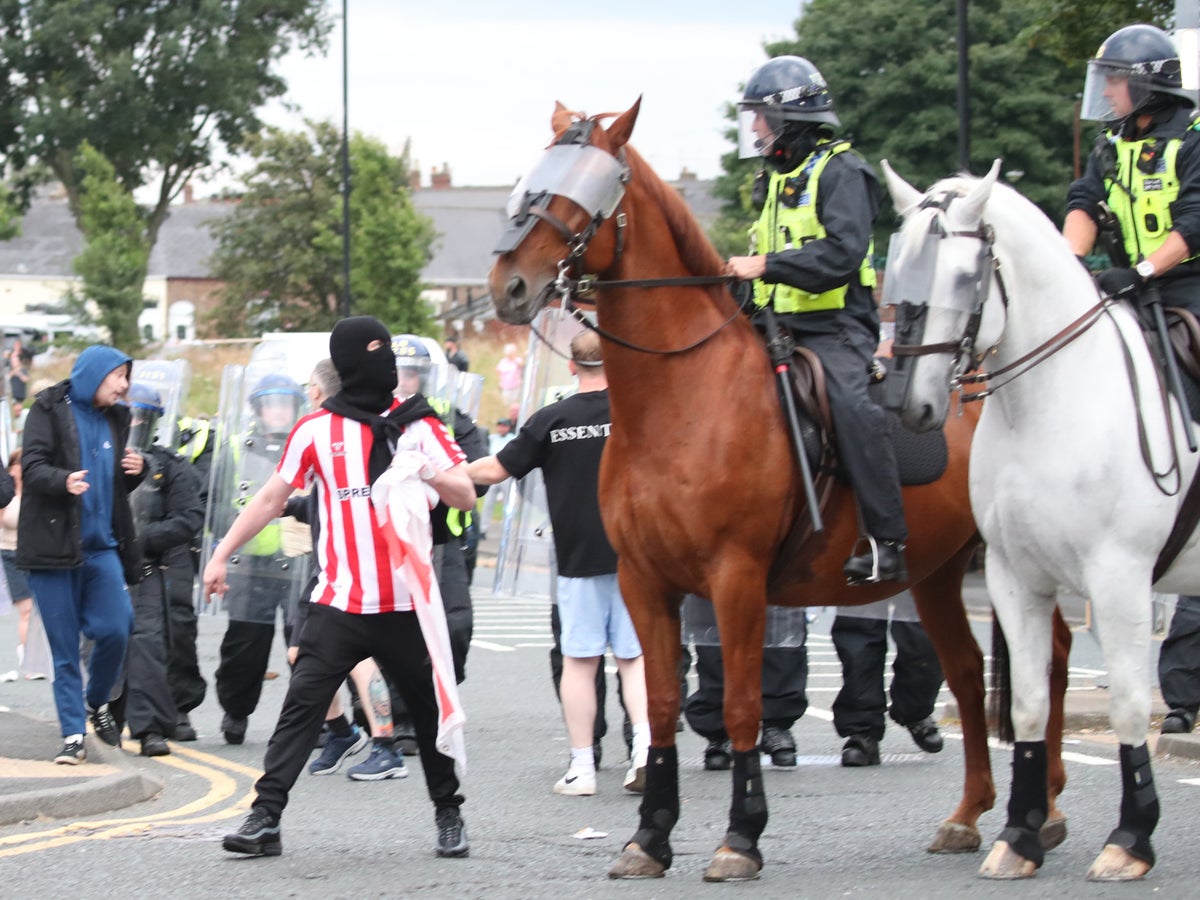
(694, 246)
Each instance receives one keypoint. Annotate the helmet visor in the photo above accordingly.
(1112, 92)
(143, 425)
(759, 127)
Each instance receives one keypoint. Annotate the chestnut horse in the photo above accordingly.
(699, 485)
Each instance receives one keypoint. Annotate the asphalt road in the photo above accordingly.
(833, 831)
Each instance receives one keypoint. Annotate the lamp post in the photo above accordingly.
(345, 304)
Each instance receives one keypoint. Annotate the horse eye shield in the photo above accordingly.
(585, 175)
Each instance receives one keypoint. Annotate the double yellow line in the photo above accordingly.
(213, 806)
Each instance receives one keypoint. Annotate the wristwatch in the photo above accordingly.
(1145, 269)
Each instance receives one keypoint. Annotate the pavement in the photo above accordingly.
(32, 786)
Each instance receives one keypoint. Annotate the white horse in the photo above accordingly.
(1062, 489)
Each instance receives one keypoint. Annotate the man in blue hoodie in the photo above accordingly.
(76, 537)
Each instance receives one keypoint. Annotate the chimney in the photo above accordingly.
(439, 179)
(414, 179)
(189, 193)
(687, 175)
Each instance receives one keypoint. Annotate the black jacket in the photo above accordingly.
(48, 535)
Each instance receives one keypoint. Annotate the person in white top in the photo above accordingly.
(18, 584)
(360, 606)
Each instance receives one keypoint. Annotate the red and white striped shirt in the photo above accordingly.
(330, 452)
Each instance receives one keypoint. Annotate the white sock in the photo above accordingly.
(20, 655)
(583, 759)
(71, 738)
(641, 736)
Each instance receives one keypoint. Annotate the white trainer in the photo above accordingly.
(576, 784)
(635, 778)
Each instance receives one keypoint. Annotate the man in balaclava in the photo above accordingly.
(76, 537)
(360, 607)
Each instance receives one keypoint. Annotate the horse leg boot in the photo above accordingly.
(1127, 853)
(738, 859)
(648, 853)
(1017, 852)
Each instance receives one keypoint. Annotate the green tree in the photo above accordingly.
(156, 86)
(280, 252)
(897, 96)
(115, 257)
(1073, 29)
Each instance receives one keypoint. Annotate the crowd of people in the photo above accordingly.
(102, 523)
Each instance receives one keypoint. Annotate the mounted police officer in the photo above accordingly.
(1140, 195)
(167, 512)
(811, 264)
(1143, 176)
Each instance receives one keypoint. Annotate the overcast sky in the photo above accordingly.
(473, 83)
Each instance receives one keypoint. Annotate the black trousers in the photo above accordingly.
(332, 643)
(450, 568)
(860, 424)
(861, 645)
(146, 703)
(1179, 658)
(784, 684)
(188, 686)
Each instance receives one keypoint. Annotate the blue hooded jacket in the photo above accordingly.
(96, 449)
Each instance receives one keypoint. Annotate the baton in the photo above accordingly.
(780, 348)
(1174, 382)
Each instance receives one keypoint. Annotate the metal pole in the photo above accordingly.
(345, 159)
(964, 112)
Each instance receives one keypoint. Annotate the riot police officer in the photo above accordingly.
(167, 513)
(1143, 175)
(264, 576)
(810, 260)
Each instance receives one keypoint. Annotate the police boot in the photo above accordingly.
(778, 743)
(883, 561)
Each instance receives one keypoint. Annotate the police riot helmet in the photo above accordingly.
(412, 358)
(276, 392)
(145, 407)
(782, 95)
(1141, 58)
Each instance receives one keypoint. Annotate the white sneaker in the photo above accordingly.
(635, 778)
(9, 676)
(576, 784)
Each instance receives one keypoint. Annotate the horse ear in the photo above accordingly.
(622, 127)
(975, 201)
(561, 119)
(904, 195)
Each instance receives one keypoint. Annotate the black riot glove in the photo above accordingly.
(1120, 283)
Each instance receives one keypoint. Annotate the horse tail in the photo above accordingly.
(1000, 697)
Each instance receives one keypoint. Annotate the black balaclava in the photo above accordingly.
(368, 377)
(368, 380)
(798, 140)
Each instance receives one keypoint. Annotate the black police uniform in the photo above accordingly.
(168, 512)
(845, 340)
(1179, 664)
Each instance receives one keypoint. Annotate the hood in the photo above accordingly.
(90, 370)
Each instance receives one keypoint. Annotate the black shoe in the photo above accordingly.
(718, 755)
(234, 729)
(105, 725)
(1178, 721)
(258, 836)
(883, 563)
(184, 730)
(155, 745)
(72, 753)
(860, 750)
(779, 744)
(925, 735)
(452, 834)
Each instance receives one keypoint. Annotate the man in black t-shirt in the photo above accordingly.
(565, 440)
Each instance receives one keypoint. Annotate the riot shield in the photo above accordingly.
(786, 625)
(900, 608)
(470, 394)
(525, 563)
(259, 407)
(170, 379)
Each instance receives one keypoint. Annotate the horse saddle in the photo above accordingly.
(921, 457)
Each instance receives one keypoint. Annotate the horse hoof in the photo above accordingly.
(634, 862)
(729, 865)
(1004, 863)
(954, 837)
(1117, 864)
(1053, 833)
